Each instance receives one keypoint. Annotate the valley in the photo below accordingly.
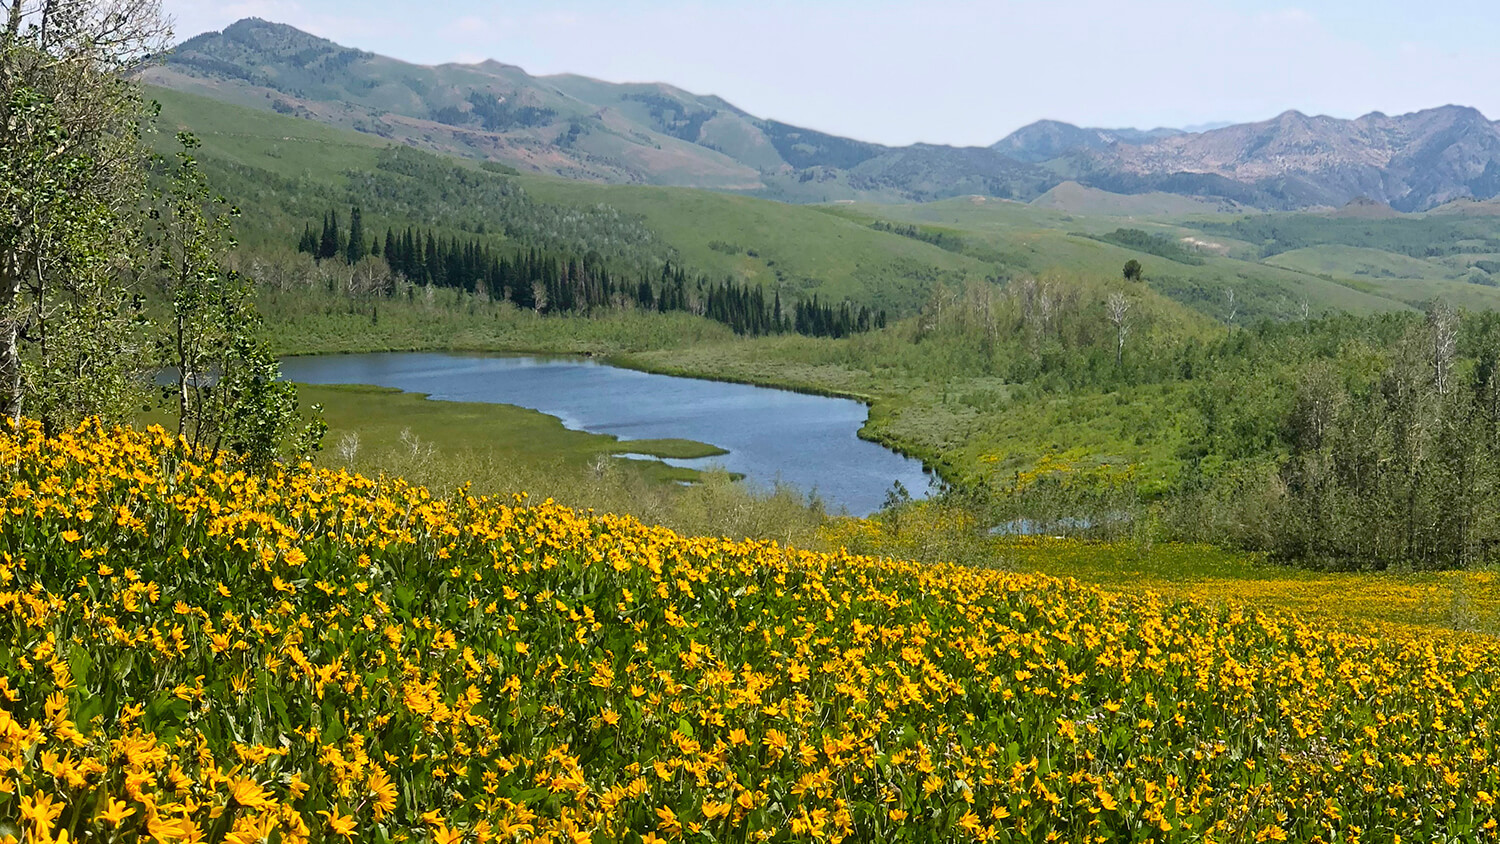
(455, 454)
(936, 392)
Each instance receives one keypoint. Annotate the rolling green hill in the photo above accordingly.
(285, 172)
(1037, 241)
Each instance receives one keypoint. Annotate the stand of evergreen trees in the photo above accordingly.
(940, 239)
(566, 283)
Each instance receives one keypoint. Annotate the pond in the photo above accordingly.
(807, 442)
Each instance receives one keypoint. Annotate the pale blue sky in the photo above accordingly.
(952, 71)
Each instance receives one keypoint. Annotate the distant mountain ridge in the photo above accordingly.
(578, 127)
(1045, 140)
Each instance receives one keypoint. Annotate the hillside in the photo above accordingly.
(1073, 198)
(1036, 241)
(582, 128)
(320, 657)
(286, 172)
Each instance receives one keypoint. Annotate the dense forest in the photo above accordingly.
(561, 282)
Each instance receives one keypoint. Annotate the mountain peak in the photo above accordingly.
(1048, 139)
(263, 36)
(260, 26)
(253, 22)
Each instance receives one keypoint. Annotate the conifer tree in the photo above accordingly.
(569, 283)
(328, 244)
(356, 247)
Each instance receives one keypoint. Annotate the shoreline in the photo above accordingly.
(628, 360)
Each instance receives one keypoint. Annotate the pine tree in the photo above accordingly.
(432, 266)
(328, 244)
(356, 248)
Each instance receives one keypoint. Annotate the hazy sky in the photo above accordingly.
(952, 71)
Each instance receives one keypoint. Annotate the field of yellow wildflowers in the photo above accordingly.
(193, 654)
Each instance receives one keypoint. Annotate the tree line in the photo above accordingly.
(940, 239)
(551, 282)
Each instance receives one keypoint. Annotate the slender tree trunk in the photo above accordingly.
(10, 345)
(13, 23)
(182, 372)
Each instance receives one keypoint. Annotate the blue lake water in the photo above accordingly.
(807, 442)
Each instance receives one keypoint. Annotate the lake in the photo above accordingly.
(807, 442)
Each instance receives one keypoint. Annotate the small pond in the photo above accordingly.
(807, 442)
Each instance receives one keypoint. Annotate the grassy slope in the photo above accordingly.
(283, 145)
(362, 662)
(764, 242)
(1073, 198)
(1038, 240)
(798, 247)
(1392, 274)
(1357, 261)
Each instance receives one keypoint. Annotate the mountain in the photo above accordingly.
(1411, 162)
(650, 133)
(1045, 140)
(571, 125)
(1365, 208)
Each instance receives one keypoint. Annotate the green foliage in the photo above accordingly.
(1402, 470)
(227, 391)
(1152, 244)
(71, 328)
(936, 237)
(70, 165)
(1347, 443)
(1419, 237)
(410, 187)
